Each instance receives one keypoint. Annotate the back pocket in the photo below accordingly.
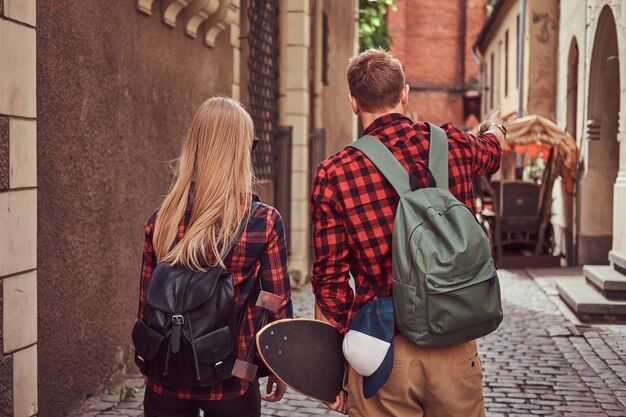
(463, 298)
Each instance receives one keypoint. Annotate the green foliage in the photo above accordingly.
(373, 32)
(126, 393)
(490, 5)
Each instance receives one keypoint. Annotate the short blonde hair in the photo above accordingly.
(376, 80)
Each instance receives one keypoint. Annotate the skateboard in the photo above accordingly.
(306, 355)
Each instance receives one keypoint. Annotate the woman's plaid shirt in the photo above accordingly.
(260, 252)
(353, 208)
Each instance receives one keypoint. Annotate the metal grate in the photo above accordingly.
(263, 83)
(317, 152)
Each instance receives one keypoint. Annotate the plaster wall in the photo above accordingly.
(337, 116)
(542, 20)
(116, 91)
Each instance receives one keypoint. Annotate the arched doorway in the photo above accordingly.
(601, 161)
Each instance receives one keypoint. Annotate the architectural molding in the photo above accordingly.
(145, 6)
(226, 14)
(198, 12)
(171, 9)
(212, 15)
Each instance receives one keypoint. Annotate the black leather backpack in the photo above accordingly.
(188, 334)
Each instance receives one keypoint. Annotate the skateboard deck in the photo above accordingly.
(306, 355)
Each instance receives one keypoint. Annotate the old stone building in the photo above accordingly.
(434, 41)
(95, 99)
(591, 96)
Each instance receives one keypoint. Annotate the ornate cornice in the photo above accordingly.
(213, 16)
(198, 13)
(227, 14)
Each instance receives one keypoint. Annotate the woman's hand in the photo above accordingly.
(279, 390)
(341, 403)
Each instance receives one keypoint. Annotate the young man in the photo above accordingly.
(353, 208)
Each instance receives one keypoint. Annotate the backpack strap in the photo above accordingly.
(386, 163)
(438, 155)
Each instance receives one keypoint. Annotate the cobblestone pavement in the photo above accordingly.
(540, 362)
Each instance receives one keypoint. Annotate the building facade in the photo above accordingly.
(591, 94)
(95, 100)
(434, 41)
(591, 97)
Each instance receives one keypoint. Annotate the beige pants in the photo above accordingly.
(435, 382)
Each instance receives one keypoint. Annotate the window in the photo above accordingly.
(506, 63)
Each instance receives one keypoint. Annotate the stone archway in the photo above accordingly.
(602, 147)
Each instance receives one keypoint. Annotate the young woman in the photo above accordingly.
(208, 205)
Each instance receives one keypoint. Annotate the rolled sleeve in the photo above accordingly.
(486, 153)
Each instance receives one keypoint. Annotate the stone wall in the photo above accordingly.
(596, 223)
(18, 210)
(116, 91)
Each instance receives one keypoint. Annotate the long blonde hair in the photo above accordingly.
(214, 171)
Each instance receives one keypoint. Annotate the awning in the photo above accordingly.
(536, 131)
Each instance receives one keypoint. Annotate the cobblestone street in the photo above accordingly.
(540, 362)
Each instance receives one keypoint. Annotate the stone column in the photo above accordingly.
(617, 255)
(18, 210)
(294, 106)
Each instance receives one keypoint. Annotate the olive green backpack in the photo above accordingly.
(445, 285)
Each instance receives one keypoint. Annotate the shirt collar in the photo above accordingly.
(383, 121)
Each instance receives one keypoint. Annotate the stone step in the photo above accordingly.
(607, 280)
(589, 305)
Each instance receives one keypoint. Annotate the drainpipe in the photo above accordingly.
(462, 40)
(520, 56)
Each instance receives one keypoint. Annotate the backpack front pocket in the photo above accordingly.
(463, 298)
(147, 345)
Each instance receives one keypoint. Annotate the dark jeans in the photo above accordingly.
(247, 405)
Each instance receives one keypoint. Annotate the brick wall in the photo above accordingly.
(436, 51)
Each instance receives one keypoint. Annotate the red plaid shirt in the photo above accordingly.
(353, 208)
(260, 252)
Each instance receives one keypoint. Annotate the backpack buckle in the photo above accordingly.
(178, 320)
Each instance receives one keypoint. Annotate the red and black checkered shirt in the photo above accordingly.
(261, 252)
(353, 208)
